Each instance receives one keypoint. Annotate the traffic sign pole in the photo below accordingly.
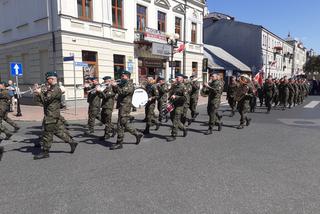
(75, 87)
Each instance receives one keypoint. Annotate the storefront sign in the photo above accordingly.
(161, 49)
(154, 63)
(153, 35)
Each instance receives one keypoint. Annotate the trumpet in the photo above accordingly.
(104, 86)
(43, 88)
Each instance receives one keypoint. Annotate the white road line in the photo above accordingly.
(312, 104)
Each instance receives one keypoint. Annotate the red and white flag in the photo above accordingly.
(181, 48)
(259, 77)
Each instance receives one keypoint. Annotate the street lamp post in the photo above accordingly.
(172, 40)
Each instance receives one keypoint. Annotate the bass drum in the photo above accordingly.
(139, 98)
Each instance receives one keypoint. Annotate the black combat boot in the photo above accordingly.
(1, 152)
(185, 132)
(220, 126)
(172, 138)
(157, 126)
(73, 146)
(146, 130)
(116, 146)
(209, 132)
(114, 132)
(248, 120)
(8, 136)
(241, 126)
(138, 138)
(44, 154)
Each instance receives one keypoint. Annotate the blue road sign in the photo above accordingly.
(68, 58)
(16, 69)
(81, 64)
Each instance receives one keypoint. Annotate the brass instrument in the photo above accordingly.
(104, 86)
(44, 88)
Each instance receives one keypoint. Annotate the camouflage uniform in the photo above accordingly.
(291, 88)
(268, 89)
(162, 99)
(94, 109)
(244, 105)
(180, 92)
(107, 105)
(253, 100)
(53, 125)
(284, 91)
(4, 104)
(188, 88)
(124, 104)
(231, 93)
(215, 90)
(194, 97)
(275, 97)
(153, 95)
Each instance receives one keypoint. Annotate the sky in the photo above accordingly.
(299, 17)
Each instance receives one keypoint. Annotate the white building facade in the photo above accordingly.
(299, 56)
(108, 35)
(277, 55)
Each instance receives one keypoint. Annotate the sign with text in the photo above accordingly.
(153, 35)
(161, 49)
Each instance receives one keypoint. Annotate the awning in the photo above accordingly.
(219, 59)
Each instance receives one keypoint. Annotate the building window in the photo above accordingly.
(117, 13)
(195, 68)
(118, 65)
(141, 17)
(194, 33)
(85, 9)
(178, 26)
(161, 21)
(177, 67)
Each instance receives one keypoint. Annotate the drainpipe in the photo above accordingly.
(53, 35)
(184, 37)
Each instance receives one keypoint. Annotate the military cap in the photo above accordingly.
(51, 74)
(93, 78)
(185, 77)
(107, 78)
(125, 73)
(160, 78)
(179, 75)
(2, 83)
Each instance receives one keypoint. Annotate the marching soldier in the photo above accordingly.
(253, 101)
(188, 87)
(50, 98)
(275, 97)
(163, 97)
(178, 96)
(153, 95)
(268, 89)
(296, 93)
(231, 92)
(1, 152)
(4, 108)
(214, 89)
(260, 95)
(94, 106)
(246, 89)
(284, 92)
(107, 105)
(125, 91)
(194, 97)
(291, 88)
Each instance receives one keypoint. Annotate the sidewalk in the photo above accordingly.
(35, 113)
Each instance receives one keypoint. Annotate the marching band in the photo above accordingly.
(173, 100)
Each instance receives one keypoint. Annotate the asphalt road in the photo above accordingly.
(271, 167)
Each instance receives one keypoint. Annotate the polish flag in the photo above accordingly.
(259, 77)
(181, 48)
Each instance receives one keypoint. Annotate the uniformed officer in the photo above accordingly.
(178, 97)
(4, 108)
(107, 105)
(194, 97)
(94, 106)
(246, 88)
(125, 91)
(188, 87)
(284, 92)
(50, 97)
(214, 89)
(163, 97)
(275, 97)
(231, 93)
(153, 94)
(268, 89)
(253, 100)
(291, 88)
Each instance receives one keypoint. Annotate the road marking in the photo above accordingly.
(312, 104)
(301, 122)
